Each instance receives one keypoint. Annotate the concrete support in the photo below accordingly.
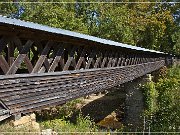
(16, 117)
(26, 121)
(134, 103)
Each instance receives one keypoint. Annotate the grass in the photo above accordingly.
(7, 129)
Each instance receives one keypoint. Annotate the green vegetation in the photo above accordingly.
(149, 25)
(162, 100)
(59, 119)
(59, 112)
(83, 124)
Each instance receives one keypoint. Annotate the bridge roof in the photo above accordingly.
(35, 26)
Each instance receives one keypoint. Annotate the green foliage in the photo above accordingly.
(166, 113)
(169, 97)
(59, 112)
(61, 125)
(150, 96)
(148, 25)
(174, 72)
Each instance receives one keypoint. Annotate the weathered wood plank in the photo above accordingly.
(98, 60)
(110, 60)
(32, 97)
(90, 60)
(70, 58)
(81, 59)
(104, 60)
(3, 64)
(123, 61)
(42, 58)
(57, 59)
(16, 64)
(115, 60)
(19, 45)
(10, 53)
(119, 61)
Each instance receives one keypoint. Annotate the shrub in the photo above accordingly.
(61, 125)
(162, 101)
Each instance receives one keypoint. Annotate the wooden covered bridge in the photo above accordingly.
(41, 66)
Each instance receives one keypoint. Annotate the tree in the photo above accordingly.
(148, 25)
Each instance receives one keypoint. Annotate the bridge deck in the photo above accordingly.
(42, 66)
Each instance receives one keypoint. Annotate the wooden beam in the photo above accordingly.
(98, 60)
(91, 57)
(110, 60)
(41, 59)
(81, 59)
(16, 64)
(115, 60)
(10, 53)
(19, 45)
(3, 64)
(104, 60)
(56, 60)
(70, 58)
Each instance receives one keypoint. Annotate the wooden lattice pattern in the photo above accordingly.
(19, 56)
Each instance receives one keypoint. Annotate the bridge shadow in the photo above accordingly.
(98, 109)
